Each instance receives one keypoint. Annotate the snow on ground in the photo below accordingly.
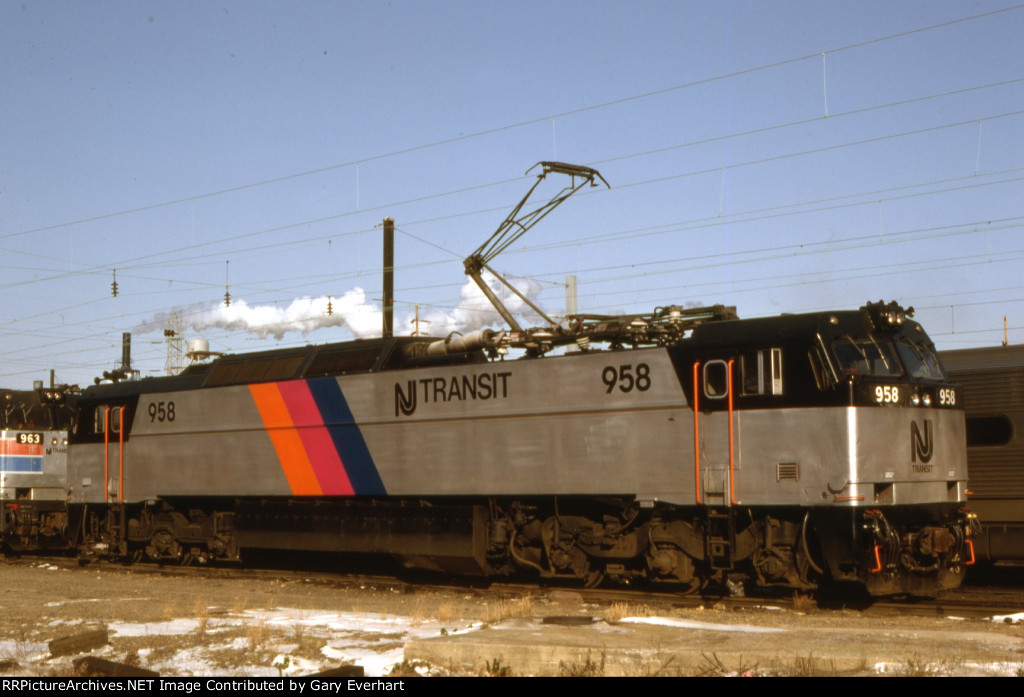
(1015, 618)
(286, 641)
(276, 642)
(693, 624)
(374, 641)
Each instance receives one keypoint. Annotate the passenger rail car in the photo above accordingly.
(33, 467)
(787, 451)
(991, 384)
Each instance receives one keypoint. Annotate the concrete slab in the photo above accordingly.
(674, 646)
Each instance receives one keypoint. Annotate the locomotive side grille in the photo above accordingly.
(787, 471)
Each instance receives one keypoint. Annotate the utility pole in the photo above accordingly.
(417, 321)
(571, 307)
(389, 277)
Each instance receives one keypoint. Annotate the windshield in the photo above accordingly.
(920, 360)
(870, 356)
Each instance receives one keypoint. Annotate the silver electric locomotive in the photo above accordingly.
(789, 450)
(683, 446)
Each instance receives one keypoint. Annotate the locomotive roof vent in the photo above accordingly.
(887, 318)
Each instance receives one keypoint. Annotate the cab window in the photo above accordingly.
(920, 360)
(100, 419)
(870, 356)
(716, 379)
(762, 371)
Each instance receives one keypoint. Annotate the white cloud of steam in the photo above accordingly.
(475, 311)
(351, 311)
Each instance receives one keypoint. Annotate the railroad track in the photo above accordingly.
(970, 601)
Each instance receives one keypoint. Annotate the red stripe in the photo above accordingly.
(289, 447)
(11, 447)
(323, 456)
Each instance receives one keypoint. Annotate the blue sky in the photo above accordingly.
(776, 156)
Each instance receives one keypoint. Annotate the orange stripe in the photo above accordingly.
(287, 442)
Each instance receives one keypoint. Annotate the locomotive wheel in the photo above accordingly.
(593, 578)
(697, 584)
(163, 546)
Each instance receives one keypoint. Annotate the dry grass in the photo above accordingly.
(257, 635)
(240, 605)
(425, 611)
(503, 610)
(588, 668)
(619, 611)
(803, 603)
(201, 612)
(497, 668)
(407, 669)
(446, 612)
(713, 666)
(919, 667)
(812, 667)
(418, 614)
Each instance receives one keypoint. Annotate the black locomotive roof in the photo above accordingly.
(796, 328)
(41, 408)
(764, 330)
(311, 361)
(374, 355)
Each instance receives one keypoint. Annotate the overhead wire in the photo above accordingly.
(580, 241)
(590, 239)
(542, 119)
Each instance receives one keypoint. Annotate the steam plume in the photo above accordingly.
(351, 311)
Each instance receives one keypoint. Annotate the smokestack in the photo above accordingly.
(126, 352)
(389, 276)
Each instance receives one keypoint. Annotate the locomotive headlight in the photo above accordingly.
(886, 317)
(915, 400)
(894, 318)
(927, 400)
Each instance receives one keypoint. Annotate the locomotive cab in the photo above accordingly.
(874, 442)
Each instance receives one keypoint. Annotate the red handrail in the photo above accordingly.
(732, 479)
(120, 455)
(696, 433)
(106, 454)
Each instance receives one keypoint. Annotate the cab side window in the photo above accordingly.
(101, 418)
(716, 379)
(762, 372)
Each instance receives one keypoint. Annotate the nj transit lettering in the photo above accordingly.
(481, 386)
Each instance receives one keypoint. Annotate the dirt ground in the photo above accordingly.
(207, 624)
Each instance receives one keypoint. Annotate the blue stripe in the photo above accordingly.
(348, 440)
(20, 463)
